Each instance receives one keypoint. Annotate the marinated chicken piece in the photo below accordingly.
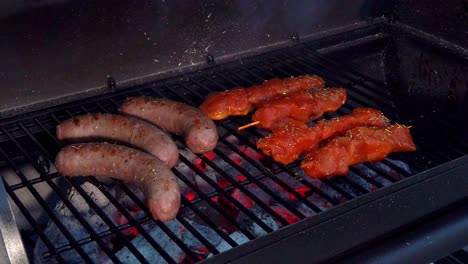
(358, 145)
(303, 106)
(294, 138)
(241, 101)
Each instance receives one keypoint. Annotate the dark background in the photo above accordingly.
(56, 48)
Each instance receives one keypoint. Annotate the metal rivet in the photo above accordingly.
(295, 38)
(210, 59)
(111, 85)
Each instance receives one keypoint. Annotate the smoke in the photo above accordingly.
(11, 7)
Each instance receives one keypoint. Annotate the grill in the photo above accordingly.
(30, 141)
(239, 205)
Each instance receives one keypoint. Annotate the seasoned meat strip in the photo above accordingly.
(241, 101)
(303, 106)
(293, 138)
(361, 144)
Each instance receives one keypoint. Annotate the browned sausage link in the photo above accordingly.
(156, 180)
(199, 131)
(136, 132)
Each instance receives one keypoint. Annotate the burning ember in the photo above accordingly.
(245, 202)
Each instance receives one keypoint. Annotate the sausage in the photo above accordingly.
(156, 180)
(199, 131)
(138, 133)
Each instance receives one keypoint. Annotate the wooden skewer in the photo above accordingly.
(248, 125)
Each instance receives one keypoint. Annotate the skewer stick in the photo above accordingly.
(248, 125)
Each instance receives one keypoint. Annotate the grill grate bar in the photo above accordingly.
(192, 88)
(181, 219)
(371, 166)
(254, 180)
(368, 179)
(259, 167)
(200, 238)
(141, 205)
(373, 182)
(357, 172)
(131, 220)
(353, 184)
(336, 188)
(49, 212)
(250, 144)
(207, 199)
(166, 230)
(326, 181)
(395, 167)
(39, 179)
(129, 217)
(325, 196)
(241, 187)
(90, 202)
(210, 223)
(272, 177)
(284, 185)
(161, 225)
(264, 188)
(32, 222)
(353, 98)
(292, 174)
(257, 220)
(340, 190)
(201, 215)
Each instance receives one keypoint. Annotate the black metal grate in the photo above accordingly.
(458, 257)
(30, 141)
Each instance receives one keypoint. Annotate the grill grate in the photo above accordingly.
(30, 141)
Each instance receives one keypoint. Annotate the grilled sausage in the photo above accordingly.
(199, 131)
(138, 133)
(156, 180)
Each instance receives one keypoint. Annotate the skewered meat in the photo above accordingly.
(138, 133)
(361, 144)
(240, 101)
(199, 131)
(156, 180)
(293, 138)
(303, 106)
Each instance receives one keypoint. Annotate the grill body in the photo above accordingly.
(412, 70)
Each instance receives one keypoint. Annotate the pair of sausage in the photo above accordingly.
(181, 119)
(199, 131)
(150, 172)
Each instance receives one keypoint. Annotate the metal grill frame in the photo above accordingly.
(317, 236)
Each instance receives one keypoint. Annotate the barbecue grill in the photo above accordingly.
(406, 58)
